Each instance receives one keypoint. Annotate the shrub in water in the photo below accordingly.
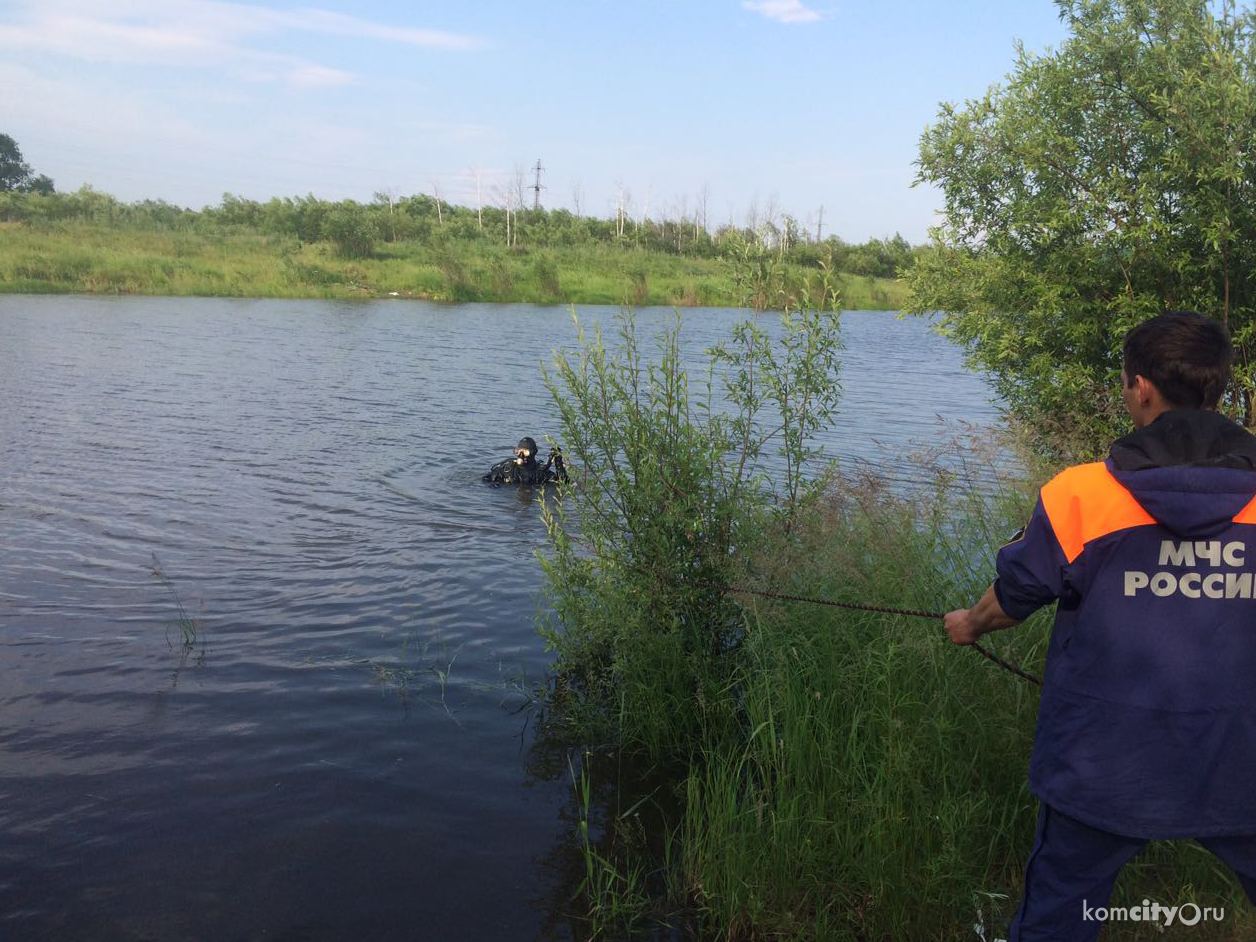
(671, 491)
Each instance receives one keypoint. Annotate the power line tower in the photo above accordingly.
(537, 187)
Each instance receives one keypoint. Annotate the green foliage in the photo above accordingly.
(13, 169)
(453, 268)
(157, 248)
(616, 896)
(640, 546)
(880, 792)
(874, 795)
(1106, 181)
(795, 380)
(446, 254)
(758, 272)
(872, 784)
(16, 174)
(41, 184)
(351, 230)
(548, 283)
(672, 490)
(765, 280)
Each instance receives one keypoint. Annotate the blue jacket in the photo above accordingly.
(1147, 724)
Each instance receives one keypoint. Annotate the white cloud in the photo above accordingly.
(783, 11)
(338, 24)
(202, 34)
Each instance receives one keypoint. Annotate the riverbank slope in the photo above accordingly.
(82, 257)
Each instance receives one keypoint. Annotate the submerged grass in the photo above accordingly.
(614, 890)
(192, 643)
(189, 627)
(83, 257)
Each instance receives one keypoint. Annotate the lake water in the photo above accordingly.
(345, 749)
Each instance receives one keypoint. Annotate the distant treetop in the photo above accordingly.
(15, 173)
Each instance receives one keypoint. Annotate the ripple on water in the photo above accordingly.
(263, 629)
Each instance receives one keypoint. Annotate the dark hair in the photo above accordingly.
(1186, 356)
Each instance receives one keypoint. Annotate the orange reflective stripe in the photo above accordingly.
(1247, 514)
(1086, 502)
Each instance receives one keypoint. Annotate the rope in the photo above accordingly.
(886, 610)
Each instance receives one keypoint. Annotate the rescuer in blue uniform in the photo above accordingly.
(1147, 724)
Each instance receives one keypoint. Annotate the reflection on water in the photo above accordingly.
(264, 635)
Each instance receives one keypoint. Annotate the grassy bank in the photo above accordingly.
(100, 258)
(881, 791)
(811, 773)
(868, 781)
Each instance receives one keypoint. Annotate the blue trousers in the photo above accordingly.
(1074, 865)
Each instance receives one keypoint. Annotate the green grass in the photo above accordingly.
(101, 259)
(879, 783)
(873, 786)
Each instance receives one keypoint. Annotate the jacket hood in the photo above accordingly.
(1193, 470)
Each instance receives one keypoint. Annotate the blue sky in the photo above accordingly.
(768, 105)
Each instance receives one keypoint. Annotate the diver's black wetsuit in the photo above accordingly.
(528, 471)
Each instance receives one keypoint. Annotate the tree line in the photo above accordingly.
(359, 230)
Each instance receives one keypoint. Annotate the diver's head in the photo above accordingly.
(526, 449)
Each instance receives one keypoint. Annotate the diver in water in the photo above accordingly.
(523, 468)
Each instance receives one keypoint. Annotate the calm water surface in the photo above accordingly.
(341, 753)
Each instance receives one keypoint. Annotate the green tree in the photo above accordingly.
(1106, 181)
(352, 230)
(14, 171)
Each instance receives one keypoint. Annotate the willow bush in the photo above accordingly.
(674, 483)
(1105, 181)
